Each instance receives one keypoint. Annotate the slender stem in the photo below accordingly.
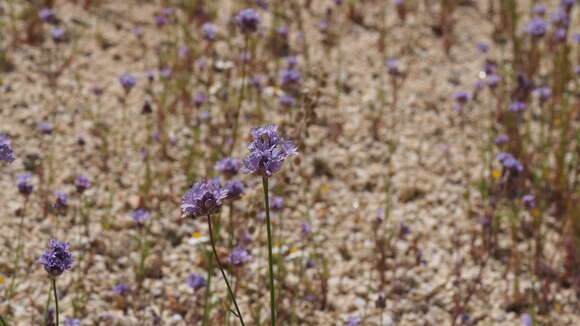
(241, 98)
(270, 260)
(217, 258)
(206, 306)
(55, 298)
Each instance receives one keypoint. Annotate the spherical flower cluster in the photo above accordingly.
(289, 77)
(393, 67)
(140, 216)
(6, 153)
(543, 93)
(287, 101)
(517, 107)
(61, 200)
(204, 198)
(239, 256)
(509, 162)
(121, 289)
(196, 281)
(536, 27)
(267, 152)
(127, 81)
(209, 31)
(82, 183)
(501, 139)
(247, 20)
(23, 184)
(529, 201)
(57, 258)
(69, 321)
(235, 189)
(229, 166)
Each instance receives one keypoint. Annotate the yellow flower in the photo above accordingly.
(557, 121)
(196, 235)
(2, 280)
(324, 189)
(536, 212)
(294, 250)
(496, 174)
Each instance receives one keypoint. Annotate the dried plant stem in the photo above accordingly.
(270, 259)
(231, 293)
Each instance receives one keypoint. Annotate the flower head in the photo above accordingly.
(305, 229)
(58, 35)
(529, 201)
(61, 200)
(23, 184)
(127, 81)
(82, 183)
(57, 258)
(209, 31)
(462, 97)
(235, 189)
(47, 15)
(560, 18)
(539, 9)
(543, 93)
(239, 256)
(267, 152)
(69, 321)
(509, 162)
(287, 101)
(393, 67)
(517, 107)
(277, 204)
(289, 76)
(247, 20)
(6, 153)
(140, 216)
(196, 281)
(527, 320)
(536, 27)
(204, 198)
(353, 321)
(229, 166)
(501, 139)
(121, 289)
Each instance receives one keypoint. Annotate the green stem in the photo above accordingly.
(217, 258)
(241, 98)
(2, 321)
(270, 260)
(55, 298)
(206, 306)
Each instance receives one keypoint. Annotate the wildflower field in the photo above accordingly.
(290, 162)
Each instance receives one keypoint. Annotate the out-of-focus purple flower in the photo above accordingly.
(239, 256)
(57, 258)
(543, 93)
(201, 64)
(256, 82)
(539, 10)
(23, 183)
(353, 321)
(492, 80)
(127, 81)
(567, 4)
(482, 47)
(69, 321)
(47, 15)
(121, 289)
(277, 204)
(576, 38)
(490, 67)
(323, 26)
(267, 152)
(404, 229)
(183, 51)
(229, 166)
(58, 35)
(393, 67)
(6, 153)
(305, 229)
(289, 77)
(517, 107)
(560, 19)
(246, 239)
(204, 198)
(209, 31)
(509, 162)
(235, 189)
(501, 139)
(140, 216)
(160, 20)
(292, 61)
(200, 99)
(61, 199)
(44, 127)
(577, 70)
(248, 20)
(287, 101)
(462, 97)
(282, 32)
(536, 27)
(529, 201)
(196, 281)
(165, 72)
(82, 183)
(527, 320)
(560, 34)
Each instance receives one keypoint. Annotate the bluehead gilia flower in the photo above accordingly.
(268, 151)
(204, 198)
(57, 258)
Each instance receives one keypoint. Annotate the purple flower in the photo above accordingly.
(289, 76)
(576, 38)
(209, 31)
(567, 4)
(539, 10)
(47, 15)
(502, 139)
(196, 281)
(200, 99)
(160, 20)
(58, 35)
(529, 201)
(121, 289)
(353, 321)
(165, 72)
(509, 162)
(292, 61)
(6, 153)
(235, 189)
(482, 47)
(256, 82)
(61, 200)
(57, 258)
(128, 81)
(536, 27)
(287, 101)
(23, 184)
(393, 67)
(204, 198)
(517, 107)
(543, 93)
(44, 127)
(82, 183)
(577, 70)
(462, 97)
(267, 152)
(277, 204)
(560, 34)
(140, 216)
(492, 80)
(69, 321)
(527, 320)
(560, 18)
(305, 229)
(229, 166)
(247, 20)
(239, 256)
